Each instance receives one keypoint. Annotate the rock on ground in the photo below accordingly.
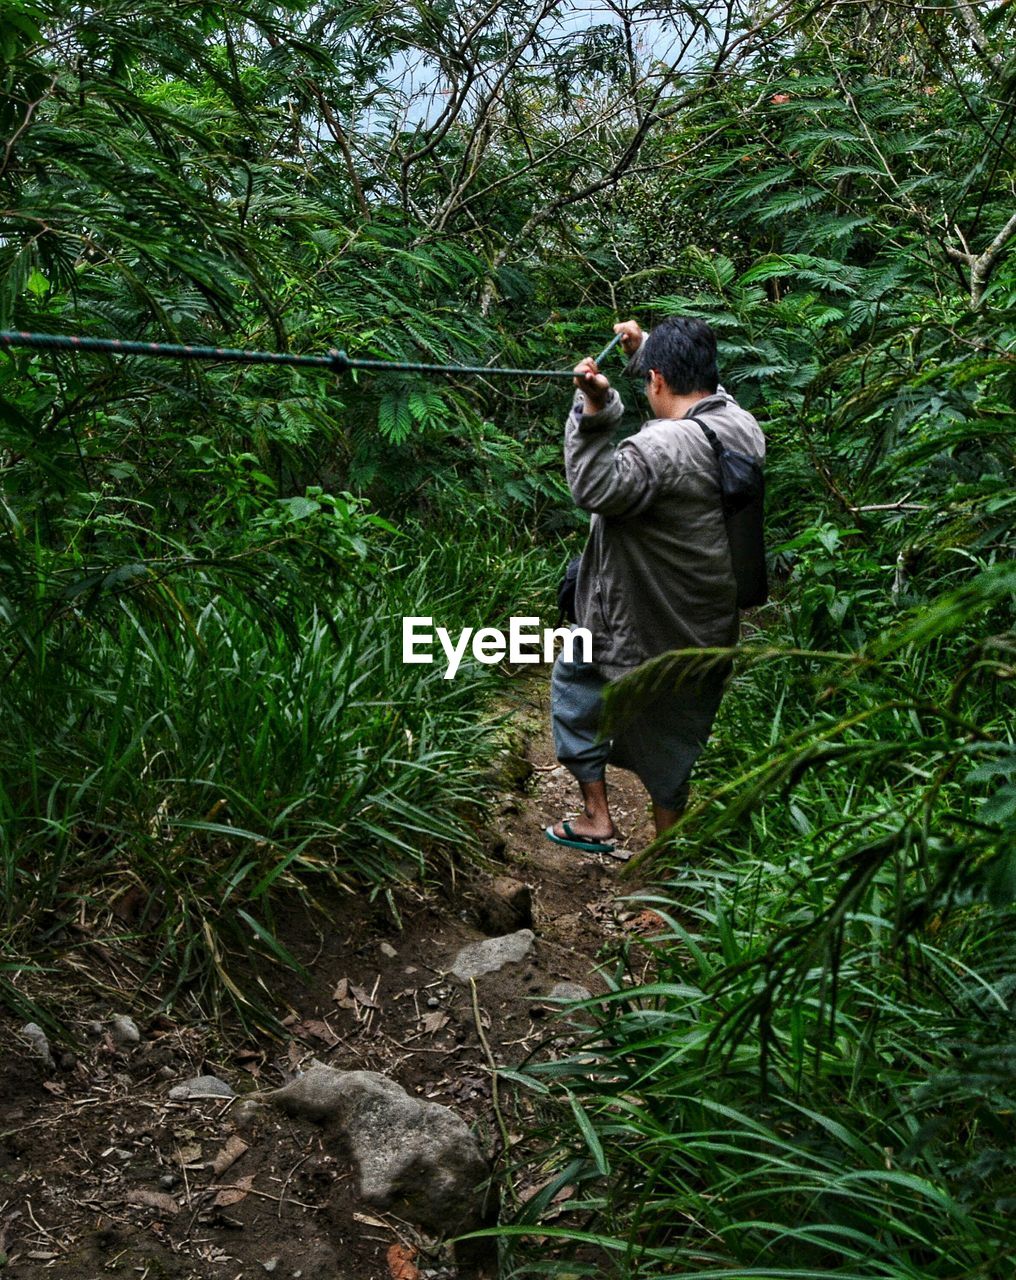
(124, 1030)
(201, 1087)
(569, 991)
(415, 1158)
(38, 1042)
(562, 992)
(477, 958)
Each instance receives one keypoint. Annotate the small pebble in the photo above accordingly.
(124, 1030)
(166, 1073)
(432, 1002)
(271, 1264)
(388, 950)
(201, 1087)
(37, 1041)
(94, 1029)
(569, 991)
(168, 1181)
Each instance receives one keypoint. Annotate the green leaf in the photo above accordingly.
(1000, 807)
(592, 1141)
(37, 284)
(298, 508)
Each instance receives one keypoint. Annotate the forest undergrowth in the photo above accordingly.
(203, 570)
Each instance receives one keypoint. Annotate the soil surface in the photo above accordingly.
(101, 1174)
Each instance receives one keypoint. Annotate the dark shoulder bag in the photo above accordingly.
(742, 493)
(566, 591)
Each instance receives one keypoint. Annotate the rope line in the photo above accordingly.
(335, 361)
(607, 349)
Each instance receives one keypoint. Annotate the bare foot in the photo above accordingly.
(591, 828)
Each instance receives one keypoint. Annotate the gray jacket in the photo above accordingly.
(656, 572)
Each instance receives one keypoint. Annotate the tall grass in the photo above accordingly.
(205, 766)
(816, 1076)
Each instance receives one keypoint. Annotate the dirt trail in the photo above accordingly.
(101, 1174)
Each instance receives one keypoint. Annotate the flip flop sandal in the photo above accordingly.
(576, 841)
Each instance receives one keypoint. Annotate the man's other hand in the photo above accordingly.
(595, 387)
(631, 336)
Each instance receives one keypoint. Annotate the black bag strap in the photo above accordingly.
(710, 435)
(744, 531)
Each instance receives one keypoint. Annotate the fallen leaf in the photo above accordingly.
(341, 995)
(433, 1022)
(154, 1200)
(363, 998)
(235, 1193)
(467, 1087)
(400, 1262)
(645, 922)
(230, 1153)
(189, 1153)
(368, 1221)
(318, 1029)
(620, 855)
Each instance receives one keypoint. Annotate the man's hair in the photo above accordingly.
(683, 350)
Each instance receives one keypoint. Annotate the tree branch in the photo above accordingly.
(982, 264)
(339, 135)
(977, 37)
(651, 116)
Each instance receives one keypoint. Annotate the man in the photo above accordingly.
(655, 573)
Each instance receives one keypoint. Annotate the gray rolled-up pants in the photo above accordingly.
(659, 738)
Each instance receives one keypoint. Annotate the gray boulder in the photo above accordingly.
(415, 1158)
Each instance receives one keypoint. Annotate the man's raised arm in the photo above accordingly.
(602, 479)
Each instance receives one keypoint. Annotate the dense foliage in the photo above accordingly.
(201, 566)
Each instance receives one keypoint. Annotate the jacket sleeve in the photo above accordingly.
(609, 481)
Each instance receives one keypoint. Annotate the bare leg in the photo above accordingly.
(595, 820)
(664, 818)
